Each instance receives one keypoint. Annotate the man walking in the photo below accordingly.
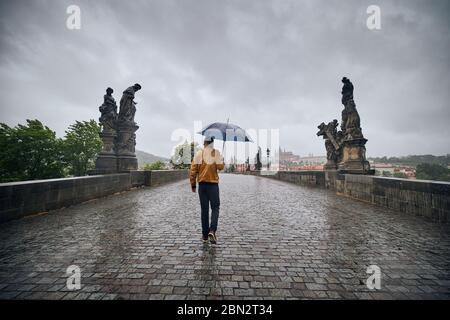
(204, 167)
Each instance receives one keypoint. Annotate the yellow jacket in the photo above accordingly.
(205, 165)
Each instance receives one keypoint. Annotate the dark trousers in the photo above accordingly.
(209, 193)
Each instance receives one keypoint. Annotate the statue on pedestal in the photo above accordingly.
(106, 161)
(258, 164)
(126, 126)
(346, 149)
(118, 133)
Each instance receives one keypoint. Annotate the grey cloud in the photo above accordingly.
(265, 64)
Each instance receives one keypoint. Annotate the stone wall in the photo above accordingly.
(20, 199)
(430, 199)
(307, 178)
(158, 177)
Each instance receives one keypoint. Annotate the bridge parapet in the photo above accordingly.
(308, 178)
(24, 198)
(429, 199)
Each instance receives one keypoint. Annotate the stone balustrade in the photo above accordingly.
(430, 199)
(24, 198)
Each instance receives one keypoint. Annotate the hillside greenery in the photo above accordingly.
(415, 160)
(427, 171)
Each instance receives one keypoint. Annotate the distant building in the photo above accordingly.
(288, 157)
(388, 169)
(288, 161)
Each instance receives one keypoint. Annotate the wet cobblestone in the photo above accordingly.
(276, 241)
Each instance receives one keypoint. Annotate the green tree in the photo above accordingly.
(414, 160)
(386, 173)
(29, 152)
(81, 145)
(158, 165)
(427, 171)
(400, 175)
(183, 155)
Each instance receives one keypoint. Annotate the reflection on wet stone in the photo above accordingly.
(276, 240)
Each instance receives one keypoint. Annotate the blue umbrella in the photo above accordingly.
(225, 132)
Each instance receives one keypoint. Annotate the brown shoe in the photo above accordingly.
(212, 237)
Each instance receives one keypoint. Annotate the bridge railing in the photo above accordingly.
(429, 199)
(24, 198)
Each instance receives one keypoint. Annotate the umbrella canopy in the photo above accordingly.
(225, 132)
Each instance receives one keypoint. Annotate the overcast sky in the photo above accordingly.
(264, 64)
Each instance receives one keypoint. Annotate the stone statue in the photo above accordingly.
(106, 161)
(128, 105)
(351, 123)
(347, 90)
(346, 148)
(118, 135)
(126, 126)
(258, 164)
(108, 112)
(332, 142)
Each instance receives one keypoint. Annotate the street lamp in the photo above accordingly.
(268, 154)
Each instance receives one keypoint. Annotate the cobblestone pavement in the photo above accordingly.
(276, 240)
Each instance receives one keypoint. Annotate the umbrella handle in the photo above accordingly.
(225, 138)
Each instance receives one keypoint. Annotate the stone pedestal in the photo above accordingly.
(106, 160)
(127, 163)
(125, 144)
(354, 157)
(104, 165)
(330, 165)
(331, 178)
